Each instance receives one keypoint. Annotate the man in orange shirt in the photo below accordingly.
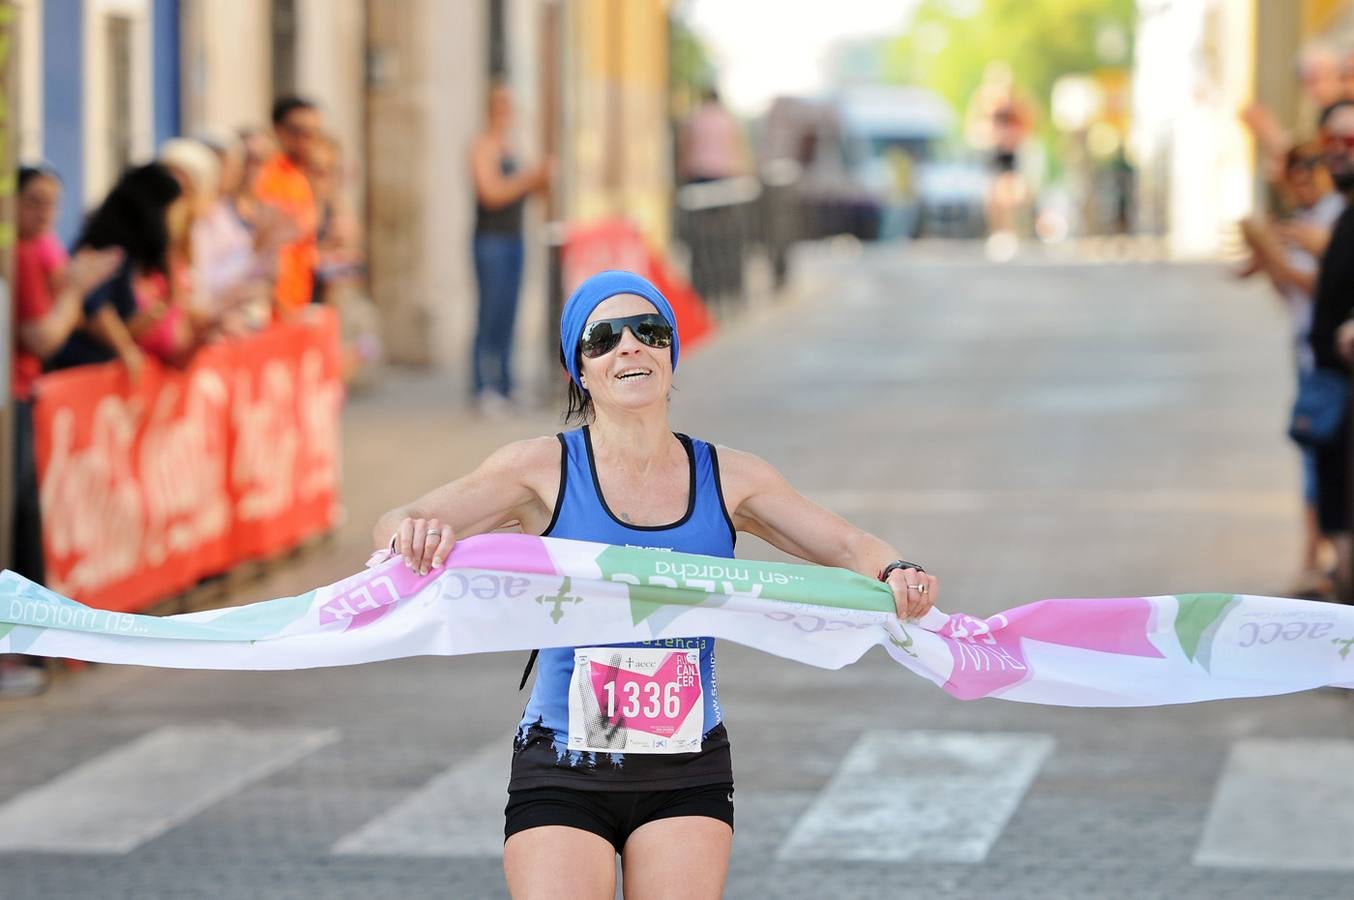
(282, 184)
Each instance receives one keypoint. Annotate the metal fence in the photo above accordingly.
(724, 223)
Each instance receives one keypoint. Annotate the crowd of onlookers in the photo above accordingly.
(217, 237)
(1305, 248)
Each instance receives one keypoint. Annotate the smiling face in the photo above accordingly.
(632, 376)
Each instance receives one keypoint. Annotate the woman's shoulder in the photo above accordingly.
(742, 474)
(527, 453)
(528, 450)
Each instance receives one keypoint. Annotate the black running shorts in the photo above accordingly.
(614, 815)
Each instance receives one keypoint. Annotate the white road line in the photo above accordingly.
(1283, 805)
(937, 796)
(457, 813)
(116, 802)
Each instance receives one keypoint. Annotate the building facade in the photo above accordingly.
(401, 85)
(1199, 63)
(1193, 74)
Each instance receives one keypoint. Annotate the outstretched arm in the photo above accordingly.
(762, 502)
(512, 485)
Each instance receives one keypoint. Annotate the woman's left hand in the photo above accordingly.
(914, 592)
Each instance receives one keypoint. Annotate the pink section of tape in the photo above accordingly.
(370, 594)
(521, 553)
(989, 656)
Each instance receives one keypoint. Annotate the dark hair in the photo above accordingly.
(132, 216)
(28, 173)
(710, 94)
(580, 401)
(1332, 110)
(285, 106)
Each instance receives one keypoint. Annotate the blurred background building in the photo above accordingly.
(401, 85)
(1132, 115)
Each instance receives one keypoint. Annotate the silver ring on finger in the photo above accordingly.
(431, 532)
(920, 588)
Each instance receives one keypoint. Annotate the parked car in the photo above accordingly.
(859, 153)
(951, 196)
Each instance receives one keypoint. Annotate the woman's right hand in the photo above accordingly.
(423, 543)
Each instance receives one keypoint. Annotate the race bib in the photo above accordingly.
(636, 700)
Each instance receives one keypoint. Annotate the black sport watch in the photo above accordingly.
(899, 564)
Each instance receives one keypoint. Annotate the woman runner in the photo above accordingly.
(579, 794)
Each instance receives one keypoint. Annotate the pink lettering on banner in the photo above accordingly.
(989, 656)
(91, 498)
(320, 404)
(369, 595)
(657, 704)
(267, 441)
(183, 467)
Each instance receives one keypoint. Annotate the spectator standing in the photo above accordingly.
(339, 276)
(339, 234)
(1332, 340)
(711, 144)
(256, 148)
(192, 316)
(501, 190)
(1323, 79)
(133, 217)
(282, 186)
(235, 283)
(47, 294)
(1321, 75)
(1291, 267)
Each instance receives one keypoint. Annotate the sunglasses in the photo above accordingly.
(1338, 142)
(602, 336)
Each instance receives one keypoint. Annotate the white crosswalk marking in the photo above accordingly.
(916, 795)
(116, 802)
(1283, 805)
(457, 813)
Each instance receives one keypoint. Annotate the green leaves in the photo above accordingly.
(949, 45)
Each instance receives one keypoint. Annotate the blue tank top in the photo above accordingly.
(541, 757)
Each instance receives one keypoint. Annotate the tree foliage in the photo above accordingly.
(951, 42)
(690, 65)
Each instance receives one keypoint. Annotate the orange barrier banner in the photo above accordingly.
(617, 244)
(148, 487)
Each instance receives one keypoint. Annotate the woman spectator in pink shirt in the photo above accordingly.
(47, 295)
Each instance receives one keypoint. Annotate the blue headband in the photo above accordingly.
(591, 293)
